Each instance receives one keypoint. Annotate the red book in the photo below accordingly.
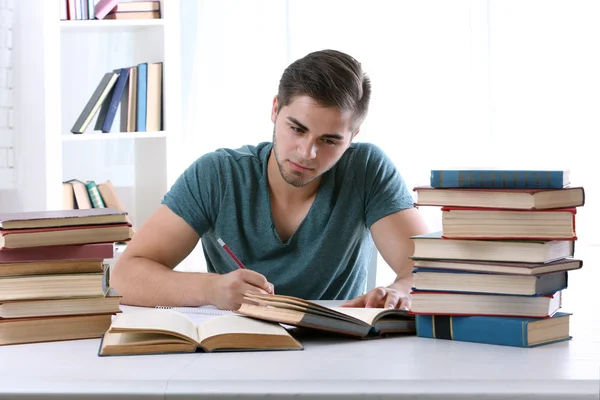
(49, 253)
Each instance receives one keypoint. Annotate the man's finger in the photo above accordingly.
(374, 297)
(392, 299)
(404, 303)
(356, 302)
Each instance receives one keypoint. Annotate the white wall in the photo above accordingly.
(7, 172)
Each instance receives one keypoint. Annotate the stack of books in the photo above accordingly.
(53, 280)
(496, 271)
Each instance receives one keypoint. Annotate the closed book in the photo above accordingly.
(505, 331)
(52, 286)
(154, 98)
(115, 100)
(141, 96)
(129, 102)
(58, 218)
(448, 303)
(516, 199)
(499, 267)
(137, 6)
(478, 282)
(133, 15)
(103, 7)
(93, 105)
(57, 253)
(35, 237)
(487, 223)
(52, 329)
(69, 306)
(432, 246)
(490, 178)
(82, 197)
(51, 267)
(95, 196)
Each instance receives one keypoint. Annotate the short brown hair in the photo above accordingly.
(332, 79)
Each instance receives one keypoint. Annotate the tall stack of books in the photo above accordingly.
(53, 282)
(496, 271)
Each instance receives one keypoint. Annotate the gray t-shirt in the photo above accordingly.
(225, 194)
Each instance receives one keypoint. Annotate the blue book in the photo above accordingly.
(115, 100)
(513, 179)
(142, 101)
(505, 331)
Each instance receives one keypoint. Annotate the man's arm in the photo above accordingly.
(144, 273)
(392, 237)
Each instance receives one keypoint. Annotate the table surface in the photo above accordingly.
(395, 367)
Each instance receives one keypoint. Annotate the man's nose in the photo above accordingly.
(308, 149)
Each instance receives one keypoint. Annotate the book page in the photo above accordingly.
(232, 324)
(156, 321)
(369, 315)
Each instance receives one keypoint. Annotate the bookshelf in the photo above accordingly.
(59, 65)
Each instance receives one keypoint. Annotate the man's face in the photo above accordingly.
(308, 139)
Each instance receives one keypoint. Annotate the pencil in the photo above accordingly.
(228, 250)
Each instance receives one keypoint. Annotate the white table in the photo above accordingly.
(402, 368)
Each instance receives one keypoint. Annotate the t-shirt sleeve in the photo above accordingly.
(195, 194)
(385, 191)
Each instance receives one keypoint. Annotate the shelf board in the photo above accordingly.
(107, 25)
(112, 136)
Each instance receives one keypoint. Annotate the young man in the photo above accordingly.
(299, 212)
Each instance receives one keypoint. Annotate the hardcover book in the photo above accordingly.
(491, 178)
(58, 218)
(432, 246)
(517, 199)
(158, 331)
(357, 322)
(505, 331)
(499, 267)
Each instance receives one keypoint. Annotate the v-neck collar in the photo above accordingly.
(265, 160)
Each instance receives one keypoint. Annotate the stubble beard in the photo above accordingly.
(292, 177)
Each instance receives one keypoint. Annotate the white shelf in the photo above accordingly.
(113, 136)
(108, 25)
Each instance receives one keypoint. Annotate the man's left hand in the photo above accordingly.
(386, 297)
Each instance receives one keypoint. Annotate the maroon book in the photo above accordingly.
(47, 253)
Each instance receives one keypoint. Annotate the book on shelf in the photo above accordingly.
(505, 331)
(133, 15)
(357, 322)
(61, 218)
(29, 308)
(76, 195)
(480, 223)
(432, 246)
(105, 120)
(79, 252)
(158, 331)
(103, 7)
(154, 97)
(521, 199)
(477, 282)
(142, 96)
(448, 303)
(136, 6)
(95, 102)
(129, 102)
(499, 267)
(95, 197)
(499, 178)
(55, 328)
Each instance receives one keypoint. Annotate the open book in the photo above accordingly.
(360, 322)
(157, 331)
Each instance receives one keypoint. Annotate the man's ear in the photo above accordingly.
(355, 133)
(274, 109)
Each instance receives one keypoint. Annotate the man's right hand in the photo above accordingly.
(227, 292)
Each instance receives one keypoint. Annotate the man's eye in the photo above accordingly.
(296, 129)
(329, 142)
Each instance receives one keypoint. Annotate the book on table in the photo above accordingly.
(157, 331)
(518, 199)
(505, 331)
(356, 322)
(457, 303)
(57, 218)
(480, 282)
(499, 267)
(432, 246)
(500, 178)
(483, 223)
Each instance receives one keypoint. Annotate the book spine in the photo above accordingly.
(95, 196)
(115, 100)
(497, 179)
(503, 331)
(142, 97)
